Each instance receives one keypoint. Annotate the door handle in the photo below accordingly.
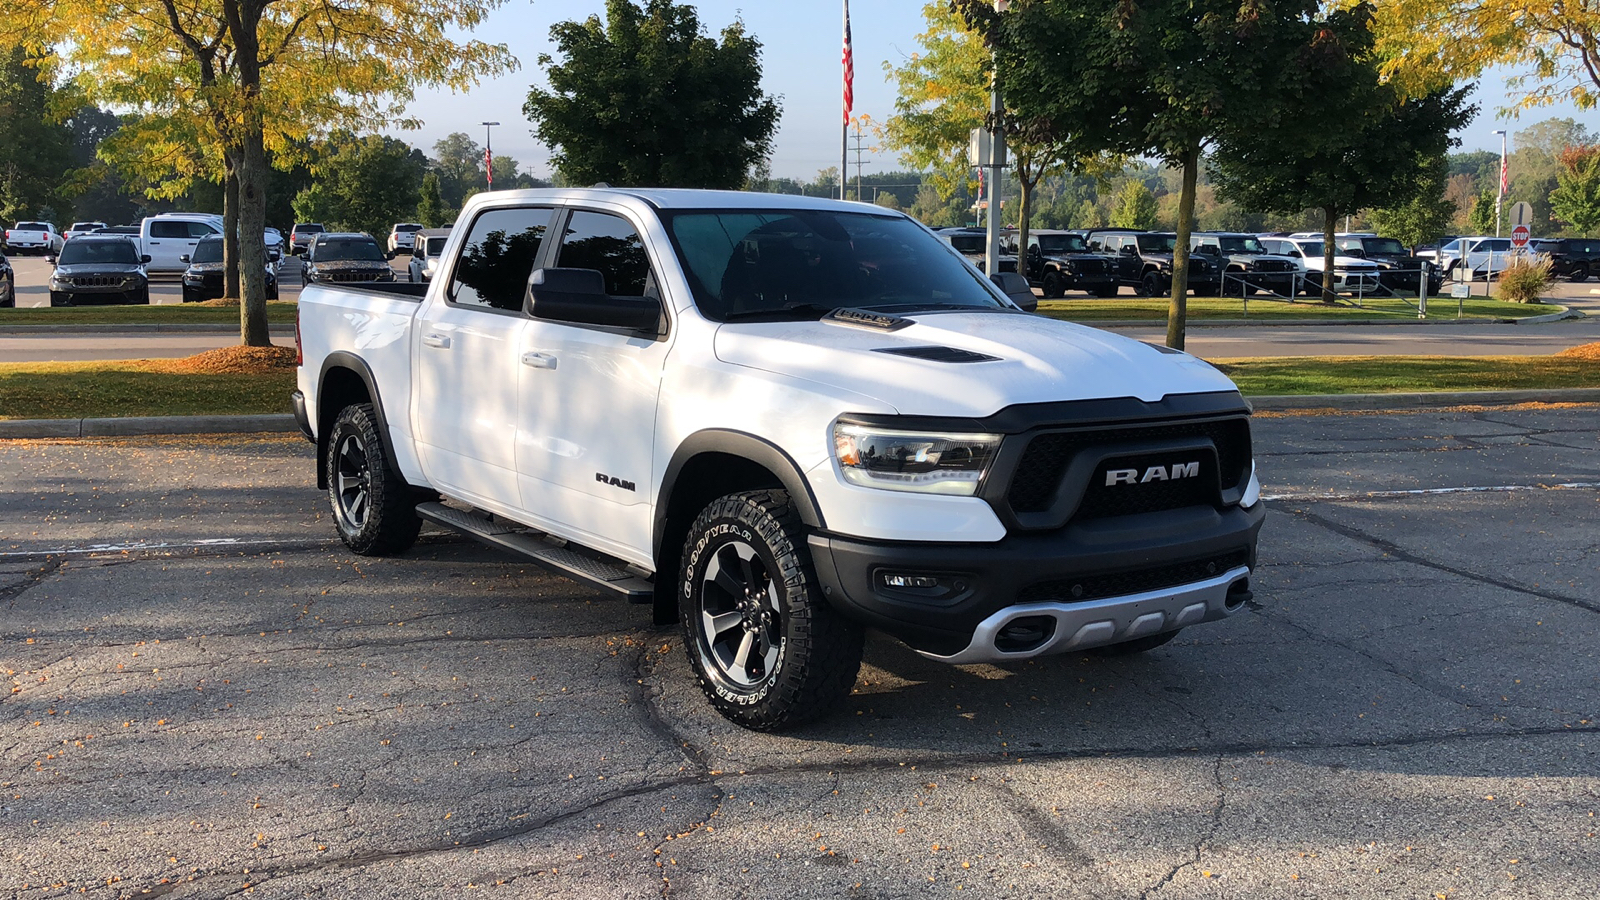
(539, 360)
(436, 340)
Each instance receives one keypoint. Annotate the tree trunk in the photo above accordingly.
(1330, 215)
(1178, 310)
(230, 222)
(1027, 180)
(244, 22)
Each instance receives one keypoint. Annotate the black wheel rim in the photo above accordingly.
(740, 621)
(352, 482)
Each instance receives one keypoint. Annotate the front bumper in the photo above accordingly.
(1122, 571)
(1088, 282)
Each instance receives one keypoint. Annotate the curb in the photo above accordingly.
(1553, 317)
(144, 425)
(284, 423)
(1435, 400)
(277, 329)
(1324, 323)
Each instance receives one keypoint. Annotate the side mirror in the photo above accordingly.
(183, 258)
(1016, 288)
(50, 258)
(579, 296)
(1035, 250)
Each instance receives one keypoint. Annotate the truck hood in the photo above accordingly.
(1037, 360)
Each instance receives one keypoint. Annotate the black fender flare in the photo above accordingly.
(747, 446)
(343, 359)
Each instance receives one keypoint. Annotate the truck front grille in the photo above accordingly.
(97, 281)
(352, 276)
(1037, 480)
(1120, 584)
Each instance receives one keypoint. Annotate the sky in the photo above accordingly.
(801, 42)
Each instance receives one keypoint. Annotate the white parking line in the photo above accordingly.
(132, 546)
(1384, 495)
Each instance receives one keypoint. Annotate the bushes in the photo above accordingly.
(1524, 278)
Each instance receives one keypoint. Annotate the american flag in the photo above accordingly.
(849, 67)
(1502, 175)
(488, 166)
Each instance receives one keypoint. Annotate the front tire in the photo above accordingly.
(1053, 288)
(60, 298)
(768, 650)
(1152, 284)
(373, 508)
(10, 292)
(1581, 273)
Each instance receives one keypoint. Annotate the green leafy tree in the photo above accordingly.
(1382, 143)
(1576, 200)
(459, 162)
(365, 184)
(1481, 219)
(431, 210)
(1425, 215)
(1135, 207)
(645, 99)
(35, 149)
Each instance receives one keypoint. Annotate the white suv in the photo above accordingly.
(1351, 274)
(1483, 256)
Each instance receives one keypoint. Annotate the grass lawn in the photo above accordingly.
(73, 390)
(1390, 374)
(278, 312)
(1387, 309)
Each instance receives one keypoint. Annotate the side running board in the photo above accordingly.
(576, 566)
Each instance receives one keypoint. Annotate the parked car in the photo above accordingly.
(1142, 260)
(168, 237)
(780, 420)
(1575, 258)
(1351, 274)
(1246, 265)
(1398, 269)
(401, 237)
(274, 241)
(1060, 261)
(8, 283)
(82, 228)
(301, 234)
(427, 244)
(346, 257)
(973, 243)
(34, 237)
(99, 269)
(203, 279)
(1482, 256)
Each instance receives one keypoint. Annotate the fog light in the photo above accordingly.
(937, 588)
(899, 580)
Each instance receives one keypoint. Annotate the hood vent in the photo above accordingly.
(938, 354)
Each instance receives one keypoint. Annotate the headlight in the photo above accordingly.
(386, 275)
(951, 464)
(192, 279)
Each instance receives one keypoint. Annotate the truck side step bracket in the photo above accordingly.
(609, 576)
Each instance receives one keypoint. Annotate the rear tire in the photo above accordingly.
(1581, 273)
(1137, 645)
(374, 510)
(768, 650)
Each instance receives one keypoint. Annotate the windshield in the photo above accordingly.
(207, 252)
(32, 226)
(407, 229)
(1385, 247)
(1157, 243)
(1245, 244)
(1063, 243)
(86, 252)
(749, 261)
(308, 229)
(969, 243)
(363, 249)
(85, 226)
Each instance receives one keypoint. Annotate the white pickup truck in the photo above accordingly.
(34, 237)
(781, 419)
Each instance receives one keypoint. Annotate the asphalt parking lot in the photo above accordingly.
(206, 696)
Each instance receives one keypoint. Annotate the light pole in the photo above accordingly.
(997, 156)
(488, 153)
(1500, 197)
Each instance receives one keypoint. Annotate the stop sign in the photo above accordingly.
(1519, 236)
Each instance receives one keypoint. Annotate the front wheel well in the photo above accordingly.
(701, 480)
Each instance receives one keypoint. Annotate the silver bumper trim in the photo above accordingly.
(1109, 620)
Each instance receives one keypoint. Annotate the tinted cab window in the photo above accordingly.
(498, 256)
(610, 245)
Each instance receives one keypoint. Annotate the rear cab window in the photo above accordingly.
(498, 256)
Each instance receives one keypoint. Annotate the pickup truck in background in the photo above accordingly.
(34, 237)
(779, 420)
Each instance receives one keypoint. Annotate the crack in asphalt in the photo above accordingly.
(1215, 822)
(1396, 551)
(11, 592)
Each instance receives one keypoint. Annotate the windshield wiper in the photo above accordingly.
(790, 310)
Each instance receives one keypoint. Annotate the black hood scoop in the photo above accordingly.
(939, 354)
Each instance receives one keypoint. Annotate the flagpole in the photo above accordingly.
(844, 129)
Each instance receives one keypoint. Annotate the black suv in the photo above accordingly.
(1247, 266)
(93, 268)
(1576, 258)
(1143, 260)
(340, 257)
(1060, 261)
(203, 279)
(1398, 268)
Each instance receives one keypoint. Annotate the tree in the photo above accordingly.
(431, 210)
(1136, 206)
(35, 149)
(646, 99)
(366, 184)
(1481, 219)
(1577, 200)
(1426, 215)
(1379, 144)
(459, 161)
(1160, 78)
